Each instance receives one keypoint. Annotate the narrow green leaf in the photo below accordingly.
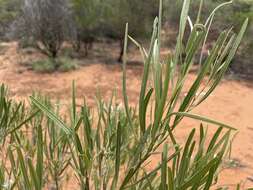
(23, 169)
(164, 167)
(204, 119)
(117, 156)
(39, 165)
(51, 115)
(33, 175)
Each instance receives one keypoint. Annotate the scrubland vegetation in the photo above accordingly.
(46, 24)
(111, 146)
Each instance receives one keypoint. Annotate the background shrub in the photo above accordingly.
(66, 64)
(139, 15)
(81, 22)
(87, 18)
(46, 22)
(9, 9)
(49, 65)
(44, 66)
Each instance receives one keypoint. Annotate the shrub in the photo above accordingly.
(8, 12)
(139, 15)
(109, 146)
(66, 64)
(94, 18)
(87, 20)
(46, 22)
(44, 66)
(62, 64)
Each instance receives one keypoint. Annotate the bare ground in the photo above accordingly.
(232, 102)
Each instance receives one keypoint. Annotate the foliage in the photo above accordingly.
(235, 13)
(44, 66)
(111, 145)
(49, 65)
(107, 18)
(46, 22)
(84, 21)
(8, 12)
(139, 15)
(87, 16)
(66, 64)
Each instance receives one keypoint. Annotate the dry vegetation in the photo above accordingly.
(74, 118)
(105, 74)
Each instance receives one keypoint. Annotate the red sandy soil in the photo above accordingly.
(232, 101)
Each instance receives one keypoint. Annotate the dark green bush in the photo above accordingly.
(139, 15)
(66, 64)
(44, 66)
(46, 22)
(87, 17)
(9, 9)
(62, 64)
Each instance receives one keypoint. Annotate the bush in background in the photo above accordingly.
(46, 22)
(139, 15)
(87, 18)
(49, 65)
(44, 66)
(9, 10)
(66, 64)
(83, 21)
